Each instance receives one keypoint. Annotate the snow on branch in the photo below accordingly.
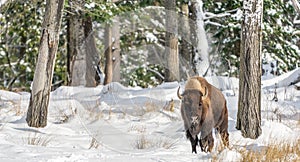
(214, 23)
(210, 15)
(296, 21)
(296, 5)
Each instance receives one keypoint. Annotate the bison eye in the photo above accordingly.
(200, 104)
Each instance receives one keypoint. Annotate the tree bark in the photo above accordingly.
(92, 53)
(108, 55)
(186, 57)
(185, 32)
(249, 107)
(171, 47)
(41, 86)
(82, 51)
(116, 57)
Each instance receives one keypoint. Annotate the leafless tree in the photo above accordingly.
(41, 86)
(171, 47)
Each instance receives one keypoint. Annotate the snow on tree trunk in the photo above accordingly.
(82, 51)
(249, 107)
(201, 58)
(41, 86)
(171, 47)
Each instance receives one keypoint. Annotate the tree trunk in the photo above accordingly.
(185, 32)
(82, 51)
(185, 48)
(108, 55)
(249, 107)
(116, 57)
(171, 47)
(41, 86)
(199, 40)
(92, 54)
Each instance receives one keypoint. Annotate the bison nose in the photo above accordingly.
(194, 120)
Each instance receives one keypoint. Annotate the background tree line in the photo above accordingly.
(95, 22)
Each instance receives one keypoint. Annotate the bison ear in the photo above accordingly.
(205, 94)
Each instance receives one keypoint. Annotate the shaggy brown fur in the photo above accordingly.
(203, 108)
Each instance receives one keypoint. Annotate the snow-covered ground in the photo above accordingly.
(116, 123)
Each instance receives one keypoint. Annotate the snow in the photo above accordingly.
(2, 2)
(150, 37)
(283, 80)
(120, 119)
(89, 6)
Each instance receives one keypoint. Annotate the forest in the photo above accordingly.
(114, 80)
(137, 29)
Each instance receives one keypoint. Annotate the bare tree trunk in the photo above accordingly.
(108, 55)
(185, 32)
(92, 54)
(41, 86)
(82, 51)
(116, 57)
(185, 48)
(171, 47)
(249, 110)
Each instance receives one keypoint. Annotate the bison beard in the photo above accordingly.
(202, 100)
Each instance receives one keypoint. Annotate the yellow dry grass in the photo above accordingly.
(276, 151)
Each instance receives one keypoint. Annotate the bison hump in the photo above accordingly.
(193, 84)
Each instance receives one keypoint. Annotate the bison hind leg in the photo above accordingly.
(222, 130)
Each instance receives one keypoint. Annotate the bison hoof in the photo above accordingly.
(194, 150)
(206, 145)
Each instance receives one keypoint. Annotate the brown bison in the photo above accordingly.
(203, 108)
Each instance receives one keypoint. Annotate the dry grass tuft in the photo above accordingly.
(165, 143)
(145, 143)
(274, 152)
(150, 106)
(137, 128)
(95, 113)
(94, 143)
(38, 140)
(142, 142)
(169, 106)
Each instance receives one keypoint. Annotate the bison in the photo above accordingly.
(203, 108)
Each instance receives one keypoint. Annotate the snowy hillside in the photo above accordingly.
(113, 123)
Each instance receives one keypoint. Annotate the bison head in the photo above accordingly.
(192, 109)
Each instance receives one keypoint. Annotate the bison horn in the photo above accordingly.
(178, 94)
(205, 94)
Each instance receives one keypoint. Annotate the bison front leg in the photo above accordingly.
(207, 143)
(194, 141)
